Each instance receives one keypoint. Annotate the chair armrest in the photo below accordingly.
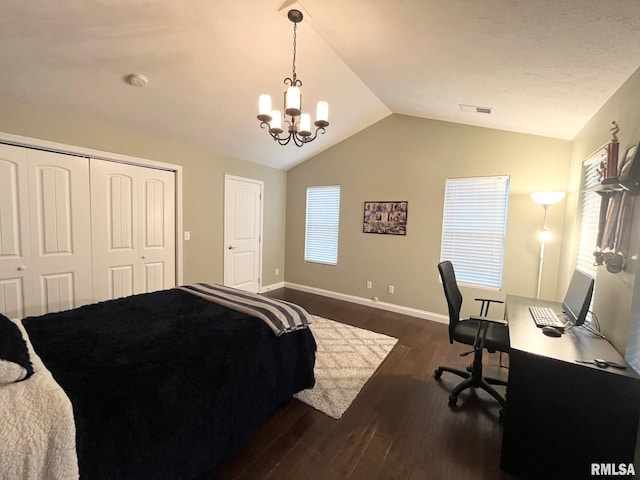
(488, 320)
(486, 303)
(478, 342)
(488, 300)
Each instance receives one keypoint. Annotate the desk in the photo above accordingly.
(562, 416)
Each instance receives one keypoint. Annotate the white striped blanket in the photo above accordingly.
(280, 316)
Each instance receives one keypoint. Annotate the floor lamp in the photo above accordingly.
(545, 199)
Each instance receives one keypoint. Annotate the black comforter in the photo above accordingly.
(164, 385)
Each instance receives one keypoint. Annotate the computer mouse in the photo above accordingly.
(551, 331)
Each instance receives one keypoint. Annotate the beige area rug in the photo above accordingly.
(347, 357)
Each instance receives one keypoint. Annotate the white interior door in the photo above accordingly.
(15, 253)
(242, 233)
(133, 221)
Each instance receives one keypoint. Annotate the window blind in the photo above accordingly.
(473, 228)
(589, 214)
(322, 224)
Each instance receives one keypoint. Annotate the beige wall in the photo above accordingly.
(399, 158)
(203, 184)
(613, 299)
(408, 158)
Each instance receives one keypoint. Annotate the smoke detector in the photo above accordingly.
(136, 80)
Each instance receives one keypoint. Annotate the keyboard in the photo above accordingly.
(545, 316)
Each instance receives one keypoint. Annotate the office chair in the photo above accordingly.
(478, 331)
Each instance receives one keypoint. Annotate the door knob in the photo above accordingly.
(144, 257)
(21, 268)
(231, 247)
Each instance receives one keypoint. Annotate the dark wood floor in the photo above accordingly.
(399, 427)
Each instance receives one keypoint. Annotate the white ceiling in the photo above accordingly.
(543, 66)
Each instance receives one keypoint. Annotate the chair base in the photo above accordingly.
(473, 379)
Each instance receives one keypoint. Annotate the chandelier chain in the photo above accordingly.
(293, 70)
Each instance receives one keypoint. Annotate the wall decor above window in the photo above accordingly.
(385, 217)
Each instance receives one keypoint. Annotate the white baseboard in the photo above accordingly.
(273, 286)
(391, 307)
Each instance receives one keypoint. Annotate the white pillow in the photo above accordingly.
(11, 372)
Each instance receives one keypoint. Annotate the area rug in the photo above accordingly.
(347, 357)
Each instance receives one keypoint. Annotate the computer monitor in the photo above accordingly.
(578, 298)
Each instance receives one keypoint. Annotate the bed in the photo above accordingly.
(159, 385)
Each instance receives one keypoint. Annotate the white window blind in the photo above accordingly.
(322, 224)
(589, 214)
(474, 224)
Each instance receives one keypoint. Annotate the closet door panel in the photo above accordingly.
(12, 297)
(60, 231)
(157, 207)
(114, 220)
(154, 276)
(57, 290)
(15, 238)
(120, 212)
(54, 212)
(120, 281)
(13, 226)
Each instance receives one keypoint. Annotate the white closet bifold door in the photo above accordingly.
(45, 232)
(133, 223)
(15, 243)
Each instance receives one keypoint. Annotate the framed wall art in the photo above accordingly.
(385, 217)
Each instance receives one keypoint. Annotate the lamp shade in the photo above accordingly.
(264, 108)
(547, 198)
(292, 101)
(305, 125)
(322, 111)
(276, 122)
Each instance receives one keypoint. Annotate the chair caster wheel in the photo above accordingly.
(437, 374)
(453, 399)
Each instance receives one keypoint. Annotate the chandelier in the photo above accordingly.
(299, 124)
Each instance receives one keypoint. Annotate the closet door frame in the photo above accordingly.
(29, 142)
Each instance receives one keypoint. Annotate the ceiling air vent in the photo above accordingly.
(475, 109)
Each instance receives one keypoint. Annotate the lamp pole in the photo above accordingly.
(545, 199)
(543, 234)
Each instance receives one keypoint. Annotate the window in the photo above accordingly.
(474, 224)
(323, 219)
(589, 214)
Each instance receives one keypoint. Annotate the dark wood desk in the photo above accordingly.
(562, 416)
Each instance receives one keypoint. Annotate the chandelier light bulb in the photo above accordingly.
(322, 114)
(292, 101)
(264, 108)
(276, 122)
(305, 125)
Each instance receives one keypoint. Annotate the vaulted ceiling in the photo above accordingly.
(542, 67)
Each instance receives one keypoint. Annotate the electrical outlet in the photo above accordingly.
(187, 235)
(369, 284)
(277, 271)
(392, 289)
